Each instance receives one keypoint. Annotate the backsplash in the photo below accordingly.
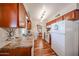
(4, 34)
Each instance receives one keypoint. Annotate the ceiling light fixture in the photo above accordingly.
(43, 15)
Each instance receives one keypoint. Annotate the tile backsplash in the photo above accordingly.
(3, 35)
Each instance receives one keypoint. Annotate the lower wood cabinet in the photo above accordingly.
(16, 52)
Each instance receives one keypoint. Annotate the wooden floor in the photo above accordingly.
(42, 48)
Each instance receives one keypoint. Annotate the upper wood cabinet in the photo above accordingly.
(77, 14)
(0, 13)
(55, 20)
(24, 19)
(22, 16)
(12, 15)
(73, 15)
(69, 16)
(8, 17)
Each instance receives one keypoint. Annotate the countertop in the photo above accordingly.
(15, 43)
(2, 44)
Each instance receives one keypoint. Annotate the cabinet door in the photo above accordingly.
(22, 16)
(77, 14)
(55, 20)
(0, 14)
(70, 16)
(9, 15)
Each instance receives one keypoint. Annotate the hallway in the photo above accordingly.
(42, 48)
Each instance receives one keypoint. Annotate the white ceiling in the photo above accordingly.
(35, 9)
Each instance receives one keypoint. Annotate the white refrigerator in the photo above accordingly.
(64, 37)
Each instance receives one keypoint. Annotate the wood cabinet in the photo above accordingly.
(22, 16)
(9, 14)
(55, 20)
(77, 14)
(0, 12)
(12, 15)
(73, 15)
(16, 52)
(70, 16)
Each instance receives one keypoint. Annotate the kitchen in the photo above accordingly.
(39, 29)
